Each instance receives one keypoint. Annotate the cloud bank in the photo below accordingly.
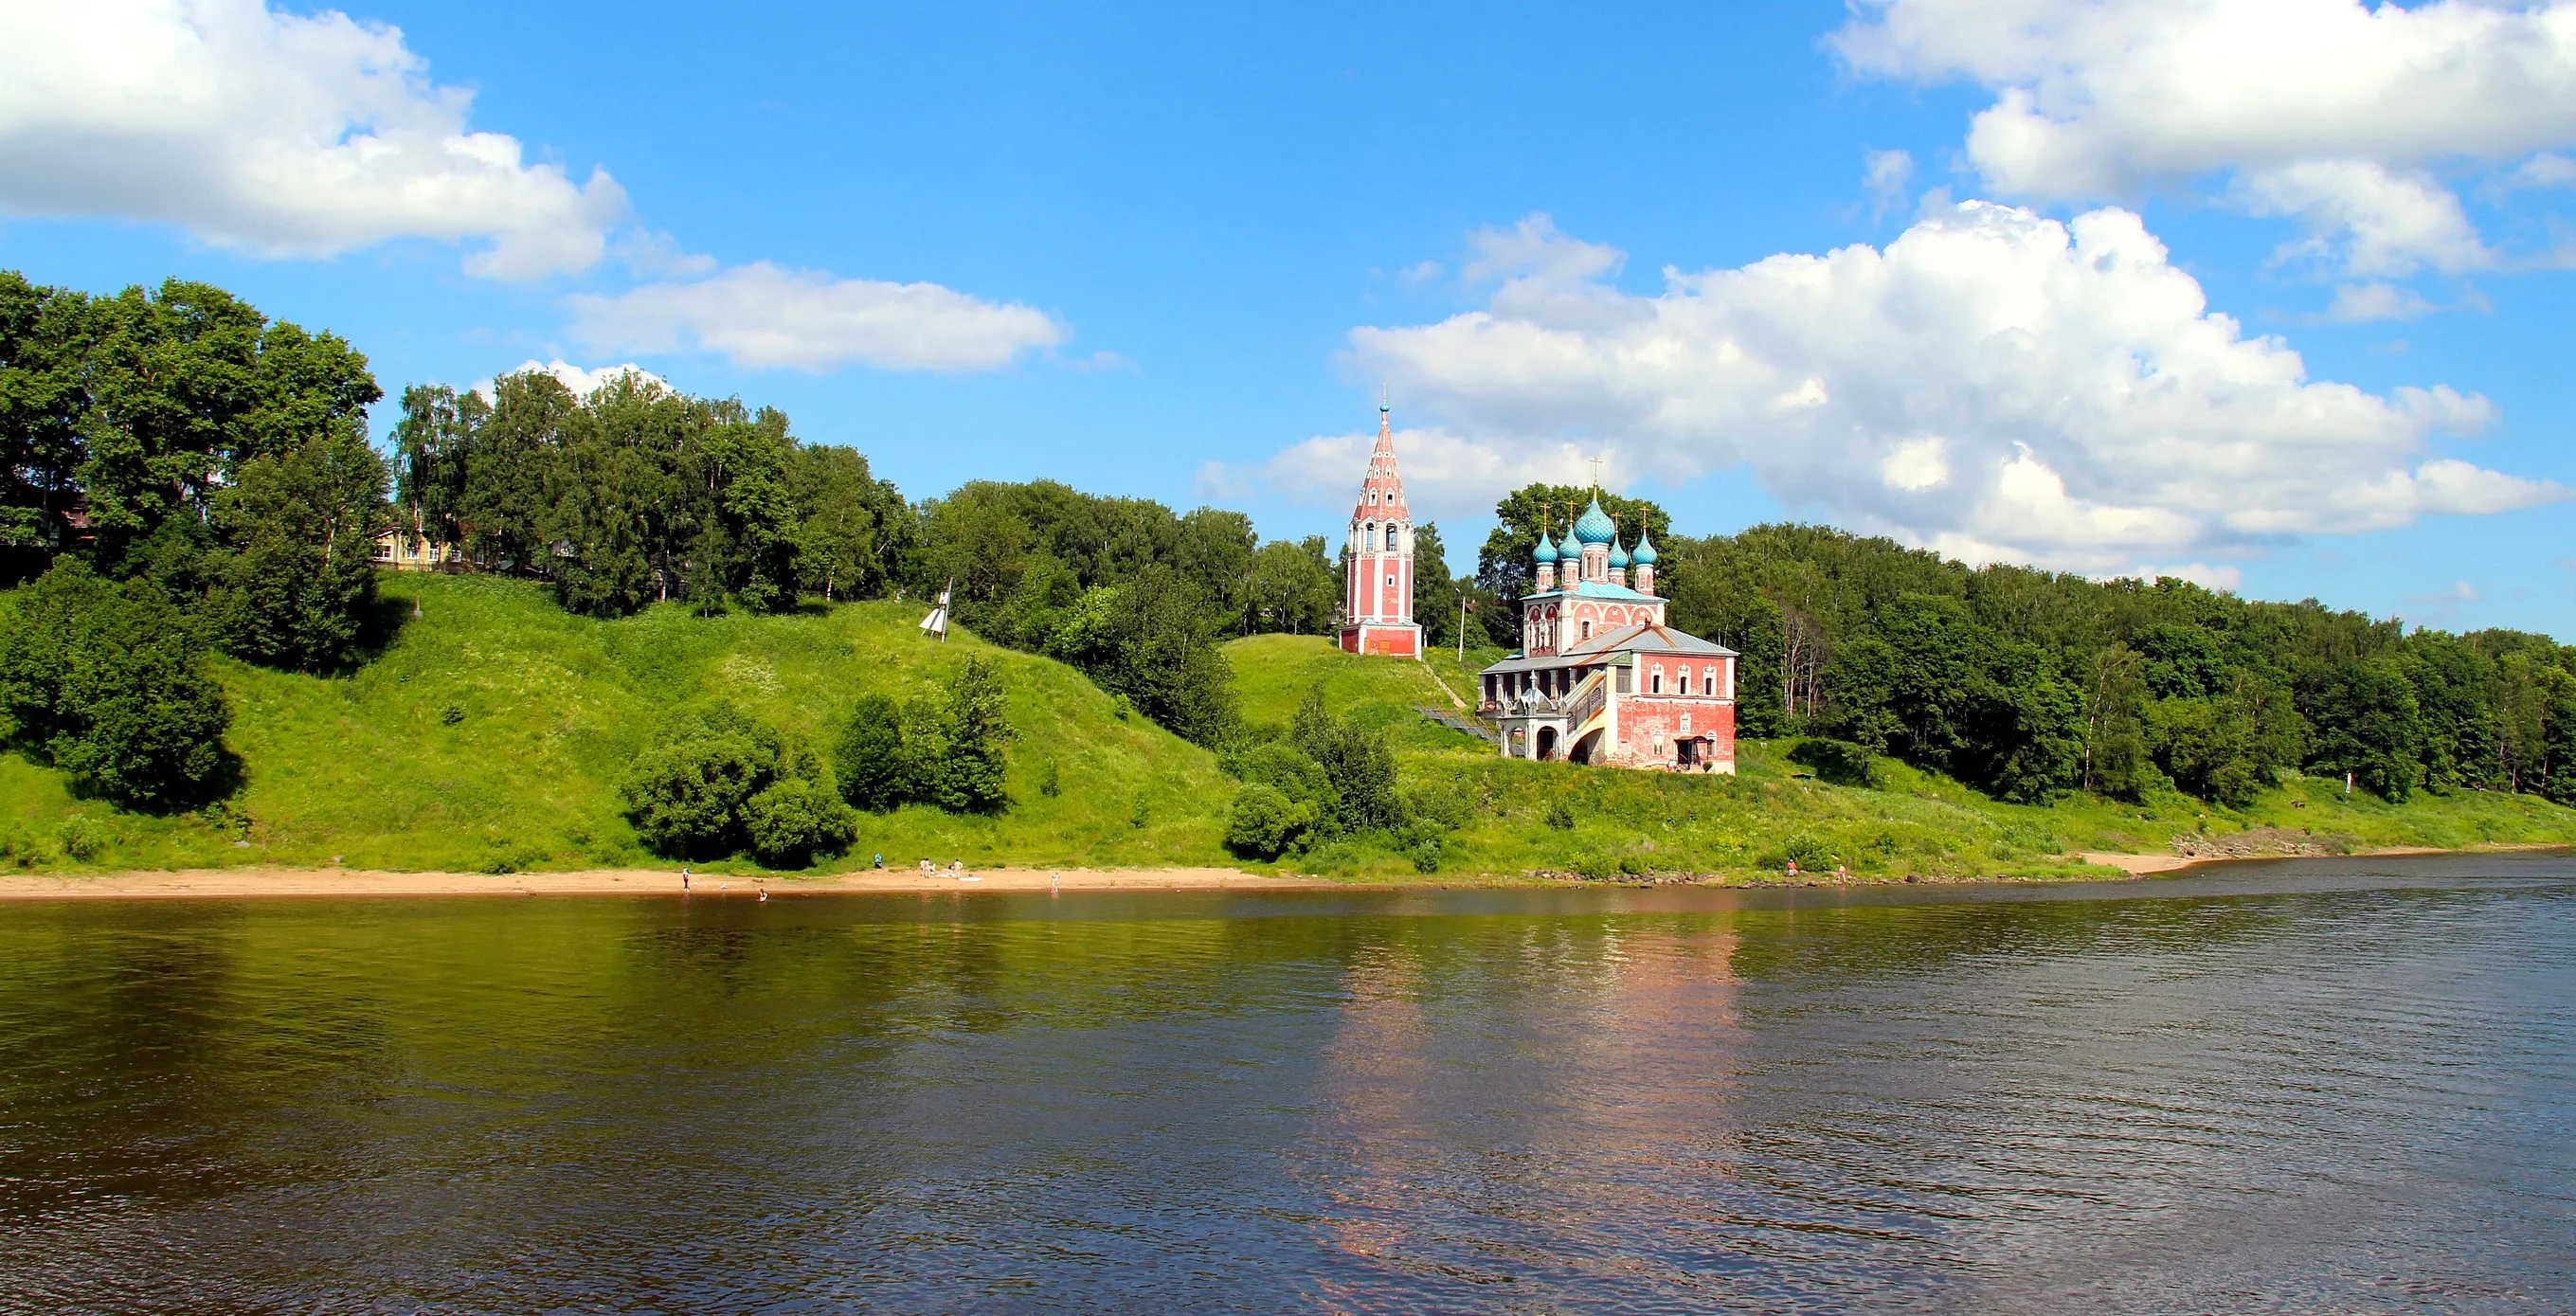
(2338, 114)
(1993, 384)
(288, 136)
(761, 316)
(273, 134)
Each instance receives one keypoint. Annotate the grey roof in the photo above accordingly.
(1644, 637)
(1648, 637)
(1521, 662)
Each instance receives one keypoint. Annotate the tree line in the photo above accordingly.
(2029, 683)
(200, 478)
(180, 474)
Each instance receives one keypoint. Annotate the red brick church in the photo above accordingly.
(1599, 677)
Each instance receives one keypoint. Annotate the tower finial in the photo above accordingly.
(1596, 471)
(1381, 398)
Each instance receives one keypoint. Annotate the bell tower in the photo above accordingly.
(1377, 594)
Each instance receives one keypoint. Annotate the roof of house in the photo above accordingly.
(1649, 637)
(1645, 637)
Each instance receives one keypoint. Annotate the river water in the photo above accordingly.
(2342, 1085)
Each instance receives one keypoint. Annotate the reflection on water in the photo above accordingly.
(2340, 1085)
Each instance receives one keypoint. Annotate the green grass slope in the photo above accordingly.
(492, 733)
(550, 708)
(1912, 823)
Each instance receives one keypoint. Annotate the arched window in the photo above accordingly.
(1655, 683)
(1587, 630)
(1708, 678)
(1685, 680)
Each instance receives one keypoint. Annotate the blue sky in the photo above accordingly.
(1174, 252)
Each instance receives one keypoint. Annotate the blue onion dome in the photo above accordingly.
(1618, 556)
(1645, 554)
(1595, 526)
(1546, 551)
(1569, 551)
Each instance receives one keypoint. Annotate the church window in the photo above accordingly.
(1655, 684)
(1685, 679)
(1708, 679)
(1587, 630)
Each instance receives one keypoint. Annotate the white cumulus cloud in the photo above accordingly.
(1993, 383)
(272, 133)
(762, 316)
(2333, 110)
(1444, 475)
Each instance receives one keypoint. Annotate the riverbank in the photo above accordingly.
(227, 883)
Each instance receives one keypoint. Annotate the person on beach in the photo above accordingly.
(684, 877)
(1055, 884)
(880, 861)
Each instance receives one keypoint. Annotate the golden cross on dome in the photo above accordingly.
(1596, 471)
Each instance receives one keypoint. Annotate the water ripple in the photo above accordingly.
(2334, 1086)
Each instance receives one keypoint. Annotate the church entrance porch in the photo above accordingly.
(1586, 749)
(1546, 743)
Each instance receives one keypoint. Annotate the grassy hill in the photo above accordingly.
(1913, 822)
(492, 732)
(494, 728)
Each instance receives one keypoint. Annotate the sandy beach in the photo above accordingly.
(2136, 865)
(231, 882)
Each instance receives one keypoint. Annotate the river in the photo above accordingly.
(2331, 1085)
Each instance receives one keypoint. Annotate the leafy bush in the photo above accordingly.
(1809, 851)
(700, 791)
(1357, 762)
(1151, 641)
(1265, 823)
(793, 820)
(1560, 815)
(81, 839)
(873, 762)
(299, 585)
(1838, 761)
(1426, 844)
(1284, 768)
(111, 684)
(961, 762)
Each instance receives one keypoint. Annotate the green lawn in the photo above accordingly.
(550, 708)
(492, 732)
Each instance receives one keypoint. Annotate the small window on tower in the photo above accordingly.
(1587, 630)
(1685, 678)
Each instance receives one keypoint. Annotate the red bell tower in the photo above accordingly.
(1377, 598)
